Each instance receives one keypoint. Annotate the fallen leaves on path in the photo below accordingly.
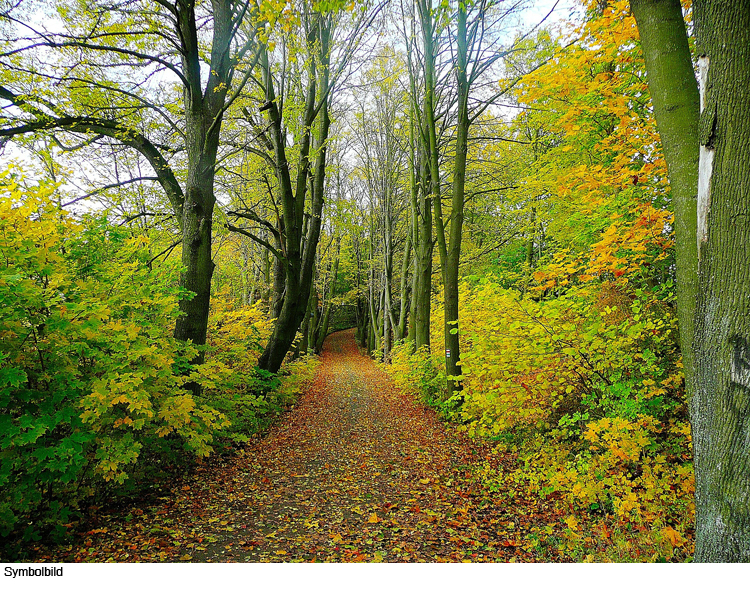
(357, 472)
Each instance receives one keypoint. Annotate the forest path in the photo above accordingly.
(356, 472)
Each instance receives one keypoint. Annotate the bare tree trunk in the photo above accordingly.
(404, 297)
(452, 257)
(322, 331)
(674, 92)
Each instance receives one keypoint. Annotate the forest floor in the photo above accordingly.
(355, 472)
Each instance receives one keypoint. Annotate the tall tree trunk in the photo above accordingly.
(674, 93)
(423, 259)
(400, 328)
(421, 203)
(719, 385)
(720, 405)
(300, 250)
(363, 321)
(388, 282)
(453, 254)
(203, 117)
(375, 342)
(198, 266)
(279, 287)
(267, 292)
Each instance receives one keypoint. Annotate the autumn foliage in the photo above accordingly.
(568, 437)
(573, 365)
(91, 380)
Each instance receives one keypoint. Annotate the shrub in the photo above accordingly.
(88, 368)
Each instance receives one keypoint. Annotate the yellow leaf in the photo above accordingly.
(373, 519)
(673, 536)
(572, 522)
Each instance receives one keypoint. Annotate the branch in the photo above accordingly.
(249, 215)
(130, 52)
(260, 241)
(107, 187)
(112, 129)
(166, 251)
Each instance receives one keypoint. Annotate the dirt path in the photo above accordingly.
(356, 472)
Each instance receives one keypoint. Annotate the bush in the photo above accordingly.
(586, 390)
(88, 367)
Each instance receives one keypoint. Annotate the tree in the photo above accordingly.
(718, 379)
(381, 163)
(419, 185)
(162, 44)
(300, 230)
(475, 52)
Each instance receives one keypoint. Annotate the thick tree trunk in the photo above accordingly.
(718, 379)
(279, 287)
(423, 265)
(720, 405)
(363, 321)
(198, 267)
(375, 342)
(203, 117)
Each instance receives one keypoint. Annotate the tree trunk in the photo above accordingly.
(453, 254)
(322, 332)
(674, 93)
(423, 259)
(198, 267)
(720, 405)
(203, 116)
(363, 321)
(387, 285)
(400, 328)
(300, 249)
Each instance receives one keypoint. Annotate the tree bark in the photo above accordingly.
(719, 383)
(322, 331)
(400, 328)
(720, 405)
(453, 254)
